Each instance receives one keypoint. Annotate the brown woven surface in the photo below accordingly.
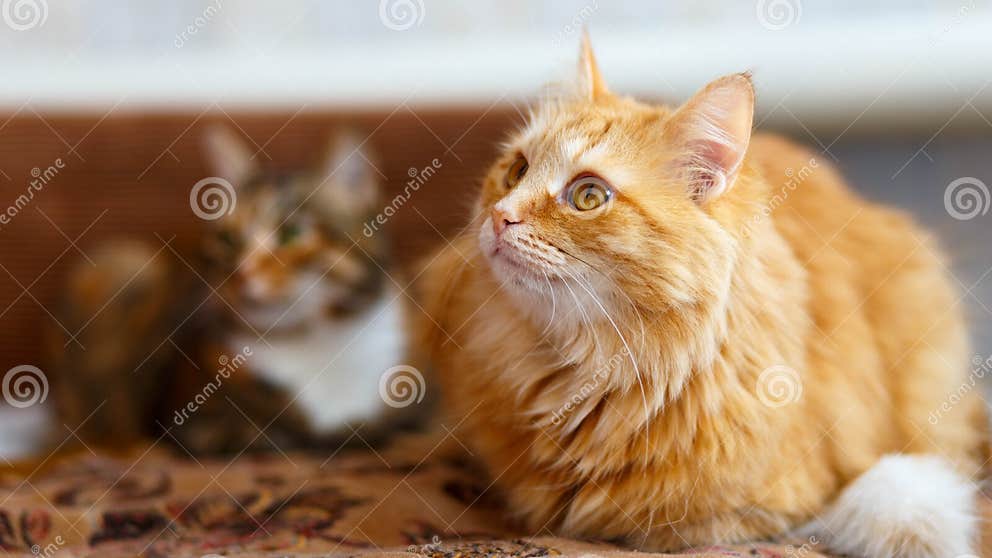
(416, 496)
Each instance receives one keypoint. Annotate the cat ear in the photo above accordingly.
(348, 160)
(713, 129)
(228, 155)
(591, 83)
(350, 178)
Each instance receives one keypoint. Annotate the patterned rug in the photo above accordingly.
(417, 497)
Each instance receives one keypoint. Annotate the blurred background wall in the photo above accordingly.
(894, 92)
(828, 70)
(828, 63)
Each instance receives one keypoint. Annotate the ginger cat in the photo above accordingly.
(650, 338)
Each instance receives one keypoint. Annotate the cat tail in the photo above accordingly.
(907, 506)
(106, 360)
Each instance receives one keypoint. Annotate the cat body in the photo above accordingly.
(653, 339)
(307, 292)
(343, 358)
(278, 333)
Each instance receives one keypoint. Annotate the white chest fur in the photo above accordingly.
(333, 367)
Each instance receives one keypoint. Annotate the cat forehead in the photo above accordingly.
(264, 202)
(553, 119)
(559, 148)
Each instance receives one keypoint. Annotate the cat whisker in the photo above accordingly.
(637, 311)
(633, 360)
(610, 279)
(563, 251)
(586, 320)
(554, 303)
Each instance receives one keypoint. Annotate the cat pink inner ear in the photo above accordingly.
(714, 129)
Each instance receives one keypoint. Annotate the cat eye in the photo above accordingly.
(517, 171)
(588, 192)
(288, 233)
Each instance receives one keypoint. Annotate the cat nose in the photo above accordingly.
(502, 219)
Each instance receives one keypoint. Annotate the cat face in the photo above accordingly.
(602, 200)
(287, 250)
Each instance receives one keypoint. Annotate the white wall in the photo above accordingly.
(828, 61)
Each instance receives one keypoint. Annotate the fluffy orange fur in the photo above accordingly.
(620, 371)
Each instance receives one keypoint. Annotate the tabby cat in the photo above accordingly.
(642, 346)
(288, 351)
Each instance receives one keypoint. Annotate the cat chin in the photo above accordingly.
(536, 295)
(537, 292)
(546, 296)
(508, 266)
(512, 273)
(283, 316)
(304, 305)
(273, 318)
